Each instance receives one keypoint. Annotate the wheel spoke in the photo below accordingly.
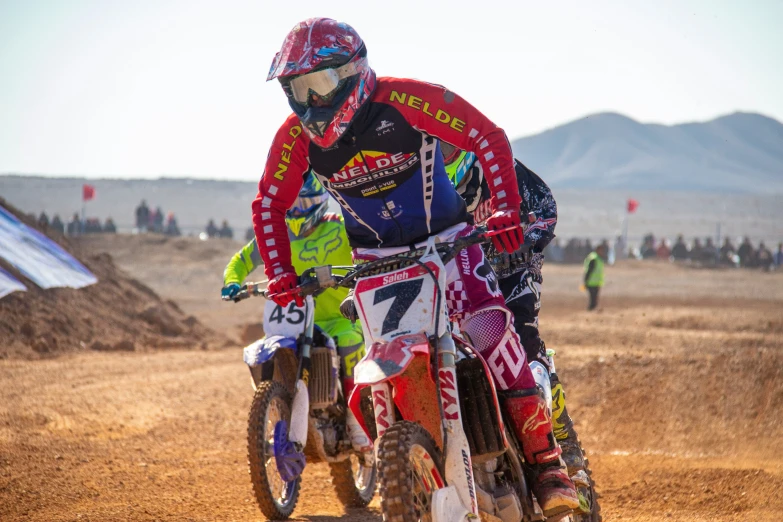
(421, 492)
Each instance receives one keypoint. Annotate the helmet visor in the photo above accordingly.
(323, 82)
(305, 204)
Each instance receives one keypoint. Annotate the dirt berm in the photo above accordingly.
(118, 313)
(675, 386)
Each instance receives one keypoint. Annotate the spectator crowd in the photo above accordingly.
(147, 220)
(152, 221)
(224, 231)
(706, 253)
(701, 253)
(76, 226)
(574, 251)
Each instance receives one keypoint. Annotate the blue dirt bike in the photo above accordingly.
(298, 411)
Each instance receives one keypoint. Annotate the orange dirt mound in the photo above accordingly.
(118, 313)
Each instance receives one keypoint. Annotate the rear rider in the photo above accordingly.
(374, 145)
(519, 274)
(317, 237)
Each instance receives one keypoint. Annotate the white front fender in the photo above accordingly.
(447, 507)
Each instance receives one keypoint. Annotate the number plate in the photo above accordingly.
(401, 302)
(288, 321)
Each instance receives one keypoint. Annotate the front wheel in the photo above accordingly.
(410, 469)
(276, 497)
(353, 482)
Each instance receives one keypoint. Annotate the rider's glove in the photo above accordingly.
(283, 283)
(511, 240)
(348, 307)
(534, 267)
(230, 291)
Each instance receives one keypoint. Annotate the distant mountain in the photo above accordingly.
(741, 152)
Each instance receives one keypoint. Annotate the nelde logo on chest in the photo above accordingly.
(419, 104)
(368, 161)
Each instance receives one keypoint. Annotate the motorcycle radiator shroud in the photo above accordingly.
(479, 411)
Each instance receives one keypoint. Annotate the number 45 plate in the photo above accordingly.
(288, 321)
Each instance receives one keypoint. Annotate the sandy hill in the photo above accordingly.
(741, 152)
(117, 313)
(186, 270)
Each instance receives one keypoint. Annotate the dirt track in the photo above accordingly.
(677, 394)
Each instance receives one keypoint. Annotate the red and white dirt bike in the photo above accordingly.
(444, 453)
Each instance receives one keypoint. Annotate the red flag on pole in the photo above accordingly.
(88, 192)
(632, 206)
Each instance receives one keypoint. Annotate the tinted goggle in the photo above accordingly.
(323, 82)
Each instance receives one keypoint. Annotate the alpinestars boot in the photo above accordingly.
(563, 428)
(529, 418)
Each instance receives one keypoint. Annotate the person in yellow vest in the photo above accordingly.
(594, 273)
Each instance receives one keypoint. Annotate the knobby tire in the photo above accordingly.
(256, 456)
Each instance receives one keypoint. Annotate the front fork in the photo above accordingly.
(458, 465)
(457, 501)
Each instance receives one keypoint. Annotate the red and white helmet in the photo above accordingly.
(323, 69)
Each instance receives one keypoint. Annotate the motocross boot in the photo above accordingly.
(529, 418)
(562, 425)
(563, 428)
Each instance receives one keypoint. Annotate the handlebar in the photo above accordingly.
(315, 280)
(248, 290)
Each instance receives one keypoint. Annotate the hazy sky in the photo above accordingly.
(144, 88)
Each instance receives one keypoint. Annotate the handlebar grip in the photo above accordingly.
(240, 296)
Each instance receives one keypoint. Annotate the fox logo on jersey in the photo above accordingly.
(485, 273)
(317, 250)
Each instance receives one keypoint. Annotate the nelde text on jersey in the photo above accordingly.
(386, 171)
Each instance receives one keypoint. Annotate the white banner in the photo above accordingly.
(9, 284)
(38, 258)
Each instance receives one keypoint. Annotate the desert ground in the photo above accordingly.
(676, 386)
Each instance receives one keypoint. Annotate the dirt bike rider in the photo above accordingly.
(519, 274)
(317, 237)
(373, 144)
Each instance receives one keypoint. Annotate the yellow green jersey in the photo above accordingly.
(326, 245)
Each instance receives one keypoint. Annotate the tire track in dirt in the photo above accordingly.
(679, 401)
